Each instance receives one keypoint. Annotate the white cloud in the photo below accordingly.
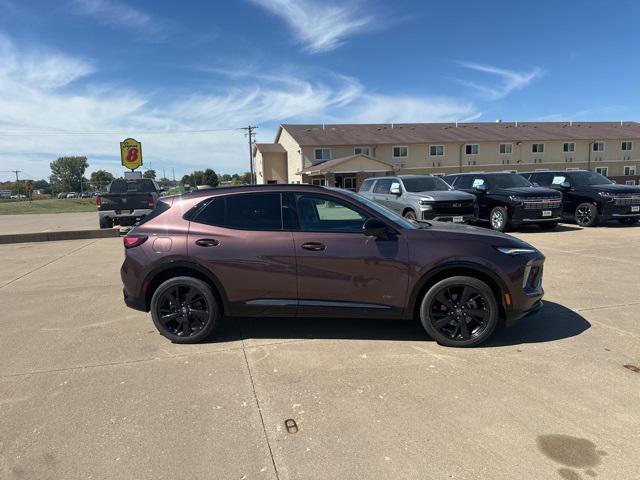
(52, 102)
(510, 80)
(319, 25)
(122, 15)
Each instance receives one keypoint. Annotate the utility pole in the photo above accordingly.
(251, 134)
(17, 181)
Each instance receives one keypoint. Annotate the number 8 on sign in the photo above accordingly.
(131, 153)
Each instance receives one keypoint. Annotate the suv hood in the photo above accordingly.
(529, 192)
(442, 195)
(613, 188)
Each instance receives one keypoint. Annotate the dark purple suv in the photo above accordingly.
(302, 250)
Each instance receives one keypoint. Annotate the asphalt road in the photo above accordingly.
(88, 389)
(48, 222)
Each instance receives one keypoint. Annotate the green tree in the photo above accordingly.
(67, 173)
(210, 178)
(246, 178)
(165, 183)
(100, 179)
(150, 173)
(41, 185)
(226, 177)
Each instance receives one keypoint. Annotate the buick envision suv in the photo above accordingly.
(303, 250)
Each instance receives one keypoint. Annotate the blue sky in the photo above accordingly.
(139, 68)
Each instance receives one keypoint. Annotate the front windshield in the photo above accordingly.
(508, 180)
(425, 184)
(388, 214)
(589, 178)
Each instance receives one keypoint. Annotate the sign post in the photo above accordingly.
(131, 153)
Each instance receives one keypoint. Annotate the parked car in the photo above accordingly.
(18, 196)
(62, 195)
(421, 197)
(304, 250)
(71, 195)
(85, 195)
(590, 198)
(127, 201)
(508, 200)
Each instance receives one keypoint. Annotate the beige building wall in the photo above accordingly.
(274, 167)
(294, 158)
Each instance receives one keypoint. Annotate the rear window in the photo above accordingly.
(159, 209)
(253, 211)
(366, 185)
(144, 185)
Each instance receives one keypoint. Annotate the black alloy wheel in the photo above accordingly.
(586, 215)
(459, 312)
(184, 310)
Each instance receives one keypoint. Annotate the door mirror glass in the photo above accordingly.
(395, 188)
(482, 188)
(565, 185)
(375, 228)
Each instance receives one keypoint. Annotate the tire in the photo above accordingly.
(446, 301)
(106, 223)
(548, 225)
(410, 215)
(499, 219)
(628, 221)
(586, 215)
(169, 315)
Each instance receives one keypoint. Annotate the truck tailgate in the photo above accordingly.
(124, 201)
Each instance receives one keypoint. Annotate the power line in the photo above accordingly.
(62, 133)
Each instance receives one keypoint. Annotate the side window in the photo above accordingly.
(478, 182)
(543, 179)
(366, 185)
(558, 179)
(252, 211)
(383, 186)
(450, 179)
(464, 182)
(318, 213)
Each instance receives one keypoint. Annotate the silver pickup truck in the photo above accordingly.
(127, 201)
(421, 197)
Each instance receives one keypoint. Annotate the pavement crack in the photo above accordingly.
(255, 397)
(48, 263)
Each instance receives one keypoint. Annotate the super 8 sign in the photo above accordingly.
(131, 153)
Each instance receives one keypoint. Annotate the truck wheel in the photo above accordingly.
(499, 219)
(410, 215)
(106, 223)
(586, 215)
(459, 312)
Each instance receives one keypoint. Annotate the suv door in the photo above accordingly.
(240, 239)
(380, 193)
(340, 270)
(395, 202)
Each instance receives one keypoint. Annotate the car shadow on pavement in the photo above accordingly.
(553, 322)
(563, 227)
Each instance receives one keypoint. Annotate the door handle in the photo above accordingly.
(207, 242)
(314, 246)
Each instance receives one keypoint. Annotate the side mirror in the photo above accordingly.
(375, 228)
(565, 185)
(395, 189)
(481, 188)
(535, 184)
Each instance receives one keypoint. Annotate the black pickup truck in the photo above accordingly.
(509, 200)
(590, 198)
(127, 201)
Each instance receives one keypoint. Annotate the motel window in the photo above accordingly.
(361, 151)
(318, 181)
(598, 146)
(506, 148)
(603, 171)
(399, 152)
(436, 150)
(471, 149)
(569, 147)
(627, 146)
(349, 183)
(322, 154)
(629, 182)
(537, 148)
(629, 170)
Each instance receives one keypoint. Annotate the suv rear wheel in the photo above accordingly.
(586, 215)
(459, 312)
(499, 219)
(106, 223)
(184, 310)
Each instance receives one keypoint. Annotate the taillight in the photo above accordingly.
(150, 201)
(98, 201)
(131, 241)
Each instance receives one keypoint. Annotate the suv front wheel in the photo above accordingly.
(499, 219)
(184, 310)
(459, 312)
(586, 215)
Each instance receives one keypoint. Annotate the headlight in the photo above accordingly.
(426, 206)
(516, 250)
(515, 199)
(424, 201)
(605, 195)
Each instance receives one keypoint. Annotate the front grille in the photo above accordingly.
(464, 207)
(541, 203)
(533, 280)
(626, 199)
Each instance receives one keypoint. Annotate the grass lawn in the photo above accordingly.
(64, 205)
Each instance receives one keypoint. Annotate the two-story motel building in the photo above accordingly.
(344, 155)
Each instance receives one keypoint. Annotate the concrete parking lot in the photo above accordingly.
(88, 389)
